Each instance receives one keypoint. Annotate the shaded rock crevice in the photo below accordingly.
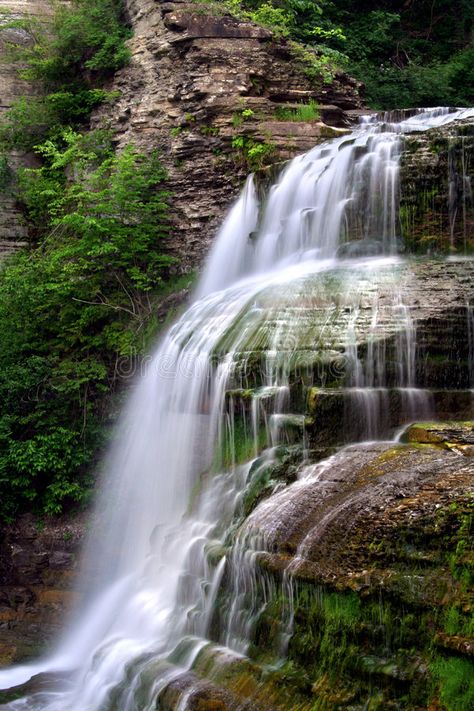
(38, 566)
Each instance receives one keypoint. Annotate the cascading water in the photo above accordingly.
(176, 478)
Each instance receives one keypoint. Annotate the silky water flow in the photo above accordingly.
(175, 479)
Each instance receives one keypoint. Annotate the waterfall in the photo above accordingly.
(214, 410)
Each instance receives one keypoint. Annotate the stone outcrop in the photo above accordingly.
(367, 559)
(374, 543)
(378, 545)
(197, 82)
(375, 546)
(308, 320)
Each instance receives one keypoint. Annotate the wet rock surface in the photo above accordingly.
(309, 326)
(38, 565)
(377, 544)
(437, 172)
(376, 541)
(446, 434)
(371, 485)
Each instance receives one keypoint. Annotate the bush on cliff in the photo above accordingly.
(407, 53)
(73, 310)
(69, 63)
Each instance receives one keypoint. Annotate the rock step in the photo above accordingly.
(338, 416)
(444, 433)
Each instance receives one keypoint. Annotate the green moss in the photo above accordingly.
(212, 131)
(363, 648)
(239, 445)
(455, 622)
(256, 154)
(454, 678)
(265, 474)
(346, 649)
(302, 113)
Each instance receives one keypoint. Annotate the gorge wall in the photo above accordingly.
(13, 229)
(196, 83)
(192, 78)
(437, 177)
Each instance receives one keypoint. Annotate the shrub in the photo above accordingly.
(254, 153)
(303, 112)
(86, 47)
(71, 309)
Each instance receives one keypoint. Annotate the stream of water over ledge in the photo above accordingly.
(302, 338)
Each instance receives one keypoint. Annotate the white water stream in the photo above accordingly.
(167, 499)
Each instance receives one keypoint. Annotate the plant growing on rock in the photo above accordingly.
(406, 54)
(70, 63)
(240, 116)
(254, 153)
(303, 112)
(5, 173)
(73, 310)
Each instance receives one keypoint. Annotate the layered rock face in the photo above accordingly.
(198, 82)
(359, 564)
(376, 542)
(38, 562)
(13, 230)
(369, 564)
(437, 177)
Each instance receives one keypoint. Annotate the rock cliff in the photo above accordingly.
(378, 548)
(437, 175)
(13, 230)
(377, 540)
(196, 83)
(38, 561)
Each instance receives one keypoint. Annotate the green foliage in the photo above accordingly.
(254, 153)
(5, 173)
(406, 53)
(247, 114)
(455, 679)
(86, 47)
(210, 131)
(317, 65)
(88, 37)
(303, 112)
(276, 18)
(457, 623)
(73, 309)
(263, 13)
(80, 304)
(239, 117)
(459, 73)
(25, 123)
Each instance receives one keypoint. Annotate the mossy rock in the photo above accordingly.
(442, 433)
